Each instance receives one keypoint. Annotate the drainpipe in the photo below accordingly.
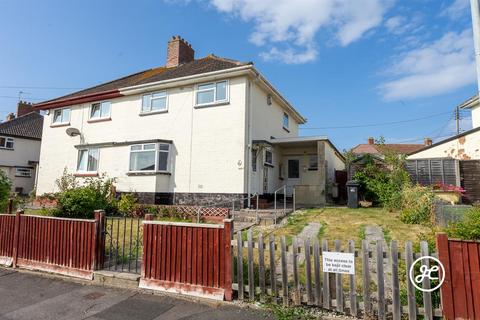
(249, 141)
(475, 8)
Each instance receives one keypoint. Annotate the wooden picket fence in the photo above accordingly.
(261, 273)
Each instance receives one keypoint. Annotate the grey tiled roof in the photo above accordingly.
(27, 126)
(203, 65)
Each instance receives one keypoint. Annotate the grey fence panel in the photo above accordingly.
(433, 171)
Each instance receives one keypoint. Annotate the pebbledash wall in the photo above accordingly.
(208, 151)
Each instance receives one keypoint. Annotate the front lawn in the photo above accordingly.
(347, 224)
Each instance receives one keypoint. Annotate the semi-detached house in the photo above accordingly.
(195, 131)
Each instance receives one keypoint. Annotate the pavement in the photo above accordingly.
(25, 295)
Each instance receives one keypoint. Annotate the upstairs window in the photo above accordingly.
(6, 143)
(23, 172)
(211, 93)
(285, 121)
(154, 102)
(61, 116)
(149, 157)
(88, 160)
(100, 110)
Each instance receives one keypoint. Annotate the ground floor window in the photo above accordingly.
(88, 160)
(313, 163)
(293, 169)
(23, 172)
(150, 157)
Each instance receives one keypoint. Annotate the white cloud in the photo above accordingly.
(435, 68)
(456, 10)
(289, 27)
(400, 24)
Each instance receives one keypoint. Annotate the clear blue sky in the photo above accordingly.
(340, 63)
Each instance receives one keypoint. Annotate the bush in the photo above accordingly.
(416, 204)
(126, 204)
(468, 228)
(5, 186)
(80, 201)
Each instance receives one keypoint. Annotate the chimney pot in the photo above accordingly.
(371, 140)
(179, 51)
(24, 108)
(427, 142)
(10, 116)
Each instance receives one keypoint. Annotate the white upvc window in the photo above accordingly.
(150, 157)
(6, 143)
(211, 93)
(100, 110)
(23, 172)
(61, 116)
(285, 121)
(88, 160)
(155, 102)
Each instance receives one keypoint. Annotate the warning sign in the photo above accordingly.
(338, 262)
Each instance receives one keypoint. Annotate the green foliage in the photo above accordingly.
(416, 204)
(126, 203)
(291, 313)
(76, 201)
(5, 186)
(468, 228)
(381, 183)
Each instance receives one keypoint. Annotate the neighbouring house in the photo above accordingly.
(20, 138)
(375, 152)
(195, 131)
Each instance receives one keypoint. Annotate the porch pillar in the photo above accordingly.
(322, 175)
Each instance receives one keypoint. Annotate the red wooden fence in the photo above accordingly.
(461, 290)
(67, 246)
(7, 228)
(188, 258)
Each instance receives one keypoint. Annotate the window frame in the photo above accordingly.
(29, 175)
(314, 168)
(90, 117)
(150, 94)
(7, 140)
(62, 122)
(215, 101)
(157, 151)
(265, 162)
(88, 157)
(254, 154)
(286, 117)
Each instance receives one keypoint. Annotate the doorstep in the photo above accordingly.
(116, 279)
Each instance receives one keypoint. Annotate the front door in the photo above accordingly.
(293, 174)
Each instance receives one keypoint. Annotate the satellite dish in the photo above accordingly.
(72, 132)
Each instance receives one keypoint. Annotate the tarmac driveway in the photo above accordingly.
(30, 296)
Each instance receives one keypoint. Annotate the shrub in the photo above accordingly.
(416, 204)
(468, 228)
(76, 201)
(126, 203)
(5, 186)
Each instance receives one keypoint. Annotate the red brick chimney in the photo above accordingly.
(427, 141)
(179, 51)
(24, 108)
(371, 140)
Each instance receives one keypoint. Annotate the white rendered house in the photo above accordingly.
(196, 131)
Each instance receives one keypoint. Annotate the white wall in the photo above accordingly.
(24, 150)
(463, 148)
(208, 143)
(476, 116)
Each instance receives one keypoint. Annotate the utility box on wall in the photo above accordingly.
(352, 193)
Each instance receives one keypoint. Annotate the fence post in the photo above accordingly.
(446, 292)
(228, 229)
(148, 217)
(100, 239)
(10, 206)
(16, 236)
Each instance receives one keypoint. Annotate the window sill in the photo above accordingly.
(214, 104)
(99, 120)
(269, 165)
(56, 125)
(148, 173)
(142, 114)
(22, 176)
(8, 149)
(86, 174)
(286, 129)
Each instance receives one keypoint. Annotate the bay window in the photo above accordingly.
(150, 157)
